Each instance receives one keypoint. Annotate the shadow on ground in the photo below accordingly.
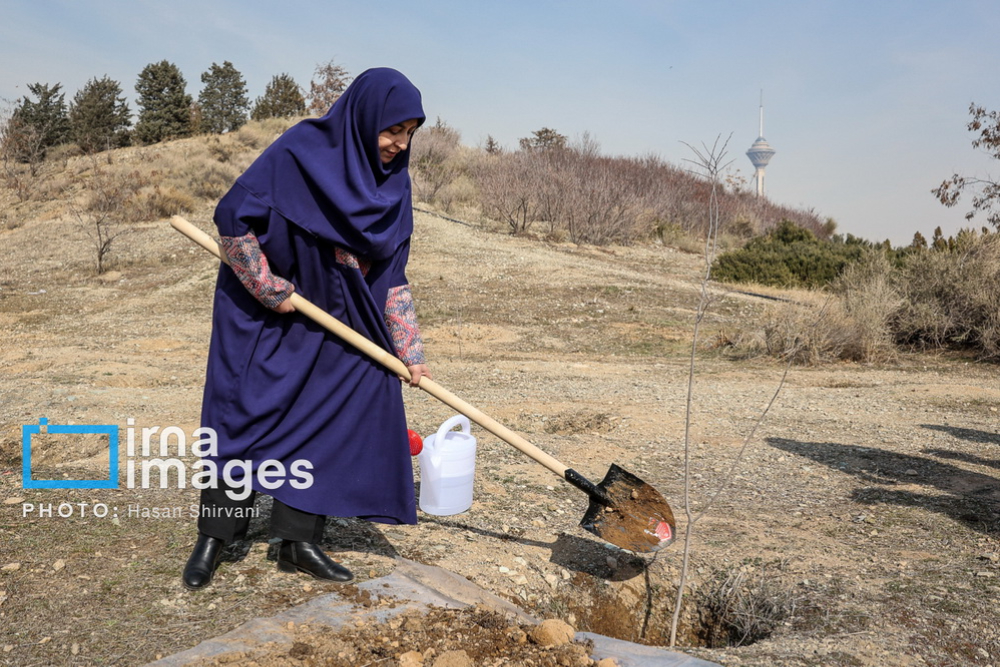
(970, 434)
(576, 554)
(966, 496)
(340, 535)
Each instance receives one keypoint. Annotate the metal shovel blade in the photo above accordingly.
(631, 514)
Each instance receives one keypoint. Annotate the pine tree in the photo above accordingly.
(329, 82)
(99, 117)
(282, 99)
(164, 106)
(545, 139)
(492, 146)
(34, 127)
(938, 242)
(223, 101)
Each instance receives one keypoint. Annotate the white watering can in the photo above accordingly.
(447, 469)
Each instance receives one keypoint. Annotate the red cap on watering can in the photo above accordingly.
(416, 442)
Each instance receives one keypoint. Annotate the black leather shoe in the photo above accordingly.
(309, 558)
(201, 565)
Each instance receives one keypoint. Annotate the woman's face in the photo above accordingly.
(395, 139)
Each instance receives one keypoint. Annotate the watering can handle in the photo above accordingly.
(393, 363)
(433, 445)
(457, 420)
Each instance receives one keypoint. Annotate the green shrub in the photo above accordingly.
(788, 256)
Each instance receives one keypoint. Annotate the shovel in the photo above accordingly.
(624, 510)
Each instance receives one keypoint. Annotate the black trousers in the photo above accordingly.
(226, 519)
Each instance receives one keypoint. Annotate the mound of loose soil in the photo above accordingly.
(470, 637)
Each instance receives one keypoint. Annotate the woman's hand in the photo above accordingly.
(285, 306)
(417, 371)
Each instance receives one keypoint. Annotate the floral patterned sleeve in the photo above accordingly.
(250, 266)
(401, 318)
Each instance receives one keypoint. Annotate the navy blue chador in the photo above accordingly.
(281, 388)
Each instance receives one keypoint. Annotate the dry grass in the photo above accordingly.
(850, 322)
(930, 300)
(953, 298)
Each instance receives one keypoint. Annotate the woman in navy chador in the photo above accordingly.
(300, 415)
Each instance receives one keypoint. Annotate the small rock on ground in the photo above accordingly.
(411, 659)
(453, 659)
(552, 632)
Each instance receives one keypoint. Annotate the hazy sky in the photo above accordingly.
(865, 102)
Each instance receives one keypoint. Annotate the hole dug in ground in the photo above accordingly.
(731, 607)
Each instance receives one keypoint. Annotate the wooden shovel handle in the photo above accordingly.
(390, 361)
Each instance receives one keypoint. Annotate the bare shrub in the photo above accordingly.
(506, 189)
(210, 180)
(598, 199)
(952, 298)
(745, 605)
(604, 202)
(434, 160)
(823, 328)
(259, 134)
(61, 154)
(17, 178)
(793, 332)
(592, 199)
(870, 300)
(550, 183)
(223, 151)
(810, 330)
(22, 155)
(109, 205)
(157, 202)
(461, 192)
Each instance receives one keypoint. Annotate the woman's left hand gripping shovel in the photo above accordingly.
(624, 510)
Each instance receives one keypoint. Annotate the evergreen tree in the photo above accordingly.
(492, 146)
(164, 106)
(34, 127)
(545, 139)
(99, 117)
(938, 242)
(282, 99)
(329, 82)
(223, 102)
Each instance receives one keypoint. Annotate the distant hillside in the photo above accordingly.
(568, 193)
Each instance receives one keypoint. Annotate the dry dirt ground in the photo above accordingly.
(861, 528)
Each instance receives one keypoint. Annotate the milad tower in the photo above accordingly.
(760, 152)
